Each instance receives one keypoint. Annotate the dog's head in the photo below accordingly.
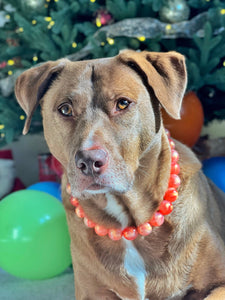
(101, 116)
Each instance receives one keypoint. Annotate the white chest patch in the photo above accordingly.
(113, 208)
(135, 267)
(133, 262)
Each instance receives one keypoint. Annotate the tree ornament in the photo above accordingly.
(188, 128)
(28, 5)
(103, 18)
(3, 64)
(174, 11)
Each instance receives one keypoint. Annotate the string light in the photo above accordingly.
(2, 135)
(2, 126)
(222, 11)
(168, 27)
(102, 43)
(51, 24)
(110, 41)
(11, 62)
(21, 29)
(10, 72)
(34, 22)
(35, 58)
(92, 1)
(141, 38)
(48, 19)
(98, 22)
(8, 17)
(224, 63)
(74, 45)
(22, 117)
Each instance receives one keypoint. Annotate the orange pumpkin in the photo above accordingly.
(186, 130)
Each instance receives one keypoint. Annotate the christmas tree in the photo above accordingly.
(34, 31)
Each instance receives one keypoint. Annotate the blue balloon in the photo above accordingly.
(49, 187)
(214, 168)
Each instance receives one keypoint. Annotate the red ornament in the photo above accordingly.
(115, 234)
(100, 230)
(171, 194)
(157, 219)
(188, 128)
(165, 207)
(144, 229)
(3, 64)
(130, 233)
(105, 18)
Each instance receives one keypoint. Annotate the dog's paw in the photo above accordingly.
(217, 294)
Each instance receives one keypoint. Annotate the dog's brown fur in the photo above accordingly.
(184, 258)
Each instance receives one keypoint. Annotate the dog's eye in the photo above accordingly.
(66, 110)
(122, 104)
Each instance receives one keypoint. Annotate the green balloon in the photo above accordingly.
(34, 237)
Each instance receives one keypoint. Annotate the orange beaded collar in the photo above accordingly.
(165, 208)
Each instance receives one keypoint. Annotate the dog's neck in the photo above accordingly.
(151, 180)
(140, 203)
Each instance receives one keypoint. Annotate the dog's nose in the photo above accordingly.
(91, 162)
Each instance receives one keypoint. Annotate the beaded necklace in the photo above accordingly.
(132, 232)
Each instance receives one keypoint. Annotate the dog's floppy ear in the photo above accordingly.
(163, 74)
(33, 84)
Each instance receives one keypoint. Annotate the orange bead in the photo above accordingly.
(115, 234)
(68, 189)
(79, 212)
(89, 223)
(167, 133)
(165, 207)
(144, 229)
(130, 233)
(174, 156)
(174, 181)
(74, 201)
(100, 230)
(171, 194)
(175, 169)
(157, 219)
(172, 144)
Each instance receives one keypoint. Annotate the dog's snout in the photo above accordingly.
(91, 162)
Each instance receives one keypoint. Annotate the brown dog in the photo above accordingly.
(102, 122)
